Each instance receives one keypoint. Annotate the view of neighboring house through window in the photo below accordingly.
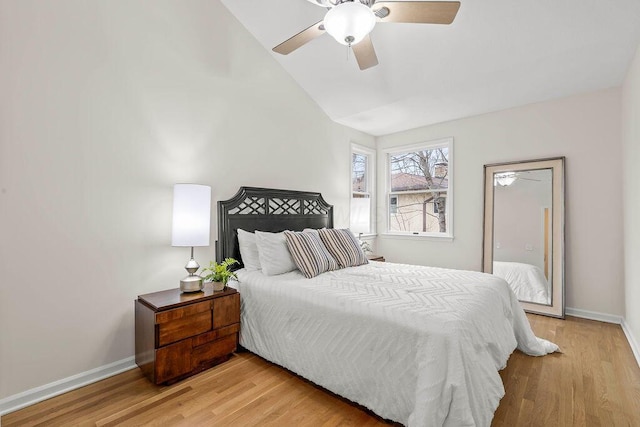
(419, 190)
(362, 178)
(359, 167)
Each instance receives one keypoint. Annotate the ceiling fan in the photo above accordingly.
(351, 21)
(505, 179)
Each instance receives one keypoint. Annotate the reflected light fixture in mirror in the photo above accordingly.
(504, 179)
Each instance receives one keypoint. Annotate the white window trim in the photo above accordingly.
(411, 234)
(371, 182)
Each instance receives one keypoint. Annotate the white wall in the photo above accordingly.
(631, 151)
(585, 129)
(104, 106)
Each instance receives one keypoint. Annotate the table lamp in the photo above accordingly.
(360, 216)
(190, 226)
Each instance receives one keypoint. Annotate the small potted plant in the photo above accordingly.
(219, 274)
(366, 248)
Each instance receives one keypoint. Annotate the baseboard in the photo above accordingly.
(47, 391)
(594, 315)
(635, 348)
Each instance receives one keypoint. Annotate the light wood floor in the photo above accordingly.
(594, 382)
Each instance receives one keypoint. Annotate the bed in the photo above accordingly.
(527, 281)
(421, 346)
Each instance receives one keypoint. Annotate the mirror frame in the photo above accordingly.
(556, 164)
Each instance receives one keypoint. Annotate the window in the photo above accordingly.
(419, 190)
(359, 169)
(362, 189)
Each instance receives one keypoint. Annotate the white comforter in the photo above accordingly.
(418, 345)
(527, 281)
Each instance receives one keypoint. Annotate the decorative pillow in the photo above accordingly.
(310, 230)
(248, 250)
(273, 253)
(343, 246)
(309, 253)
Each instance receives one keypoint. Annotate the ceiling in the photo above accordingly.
(497, 54)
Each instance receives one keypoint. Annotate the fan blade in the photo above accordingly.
(365, 54)
(300, 39)
(418, 12)
(321, 3)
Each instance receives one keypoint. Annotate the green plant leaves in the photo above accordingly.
(220, 272)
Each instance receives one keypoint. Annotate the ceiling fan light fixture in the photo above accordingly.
(349, 22)
(504, 179)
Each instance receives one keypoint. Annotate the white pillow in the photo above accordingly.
(248, 250)
(274, 253)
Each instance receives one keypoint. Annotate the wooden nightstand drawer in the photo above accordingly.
(179, 313)
(185, 327)
(226, 311)
(203, 356)
(215, 334)
(173, 361)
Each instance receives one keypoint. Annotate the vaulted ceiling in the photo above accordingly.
(496, 54)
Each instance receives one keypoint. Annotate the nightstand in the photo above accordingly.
(375, 258)
(180, 334)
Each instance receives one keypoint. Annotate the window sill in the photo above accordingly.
(367, 236)
(401, 236)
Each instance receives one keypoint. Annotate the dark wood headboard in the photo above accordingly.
(266, 209)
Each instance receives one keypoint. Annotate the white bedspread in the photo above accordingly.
(417, 345)
(527, 281)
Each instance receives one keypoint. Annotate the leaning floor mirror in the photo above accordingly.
(524, 231)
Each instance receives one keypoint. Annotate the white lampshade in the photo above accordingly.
(360, 215)
(191, 215)
(349, 22)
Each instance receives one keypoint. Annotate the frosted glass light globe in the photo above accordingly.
(505, 179)
(349, 22)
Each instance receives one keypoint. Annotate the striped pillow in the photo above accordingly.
(344, 247)
(309, 254)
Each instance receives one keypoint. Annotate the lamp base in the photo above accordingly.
(191, 283)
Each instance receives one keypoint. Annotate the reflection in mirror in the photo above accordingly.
(524, 231)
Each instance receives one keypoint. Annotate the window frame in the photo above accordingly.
(427, 145)
(371, 183)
